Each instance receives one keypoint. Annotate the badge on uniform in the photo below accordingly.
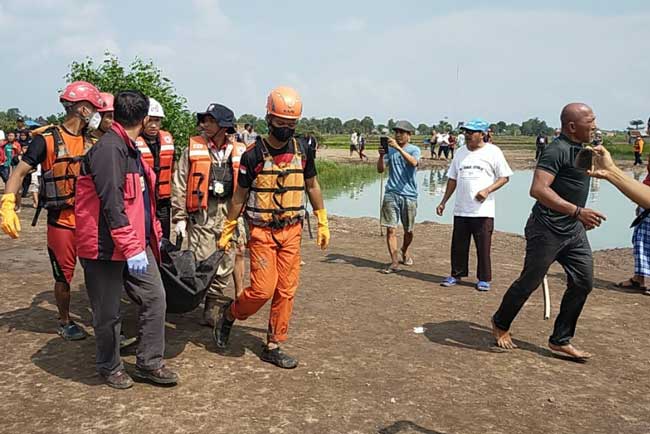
(142, 184)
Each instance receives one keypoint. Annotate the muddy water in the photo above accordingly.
(513, 205)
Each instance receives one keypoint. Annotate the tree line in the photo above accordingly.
(111, 76)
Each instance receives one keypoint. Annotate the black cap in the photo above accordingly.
(20, 119)
(222, 114)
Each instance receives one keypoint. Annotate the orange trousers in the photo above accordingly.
(275, 270)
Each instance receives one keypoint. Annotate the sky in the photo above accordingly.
(414, 59)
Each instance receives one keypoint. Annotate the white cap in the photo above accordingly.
(2, 135)
(155, 109)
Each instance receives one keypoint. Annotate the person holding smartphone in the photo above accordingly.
(400, 199)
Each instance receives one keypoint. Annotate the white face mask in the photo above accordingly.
(95, 121)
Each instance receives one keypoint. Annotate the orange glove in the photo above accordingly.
(226, 234)
(10, 223)
(323, 236)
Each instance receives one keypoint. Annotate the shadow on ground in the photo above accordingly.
(337, 258)
(76, 360)
(406, 426)
(472, 336)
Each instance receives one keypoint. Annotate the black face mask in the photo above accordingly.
(282, 133)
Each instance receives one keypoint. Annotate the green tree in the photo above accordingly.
(367, 124)
(535, 126)
(443, 126)
(424, 129)
(111, 76)
(636, 124)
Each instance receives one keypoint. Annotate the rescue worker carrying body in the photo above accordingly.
(274, 174)
(107, 118)
(204, 181)
(58, 149)
(157, 149)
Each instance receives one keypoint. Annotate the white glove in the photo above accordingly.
(138, 264)
(181, 228)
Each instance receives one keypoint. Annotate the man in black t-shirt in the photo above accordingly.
(274, 175)
(556, 231)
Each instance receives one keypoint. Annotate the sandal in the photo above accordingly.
(631, 284)
(408, 261)
(390, 270)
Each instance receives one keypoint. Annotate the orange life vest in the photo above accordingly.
(60, 170)
(164, 173)
(277, 196)
(198, 176)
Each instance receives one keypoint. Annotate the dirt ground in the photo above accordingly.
(363, 369)
(519, 159)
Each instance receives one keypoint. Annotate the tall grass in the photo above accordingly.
(341, 176)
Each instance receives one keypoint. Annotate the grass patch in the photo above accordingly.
(336, 177)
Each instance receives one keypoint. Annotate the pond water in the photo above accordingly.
(513, 205)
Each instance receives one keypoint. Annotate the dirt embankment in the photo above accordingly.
(363, 367)
(519, 159)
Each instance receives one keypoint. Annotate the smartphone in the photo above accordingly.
(383, 142)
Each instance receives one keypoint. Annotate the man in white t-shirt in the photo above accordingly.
(443, 145)
(354, 141)
(476, 172)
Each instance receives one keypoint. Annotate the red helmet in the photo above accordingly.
(108, 102)
(82, 91)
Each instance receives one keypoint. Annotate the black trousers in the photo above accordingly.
(443, 150)
(164, 214)
(104, 283)
(27, 180)
(543, 247)
(538, 152)
(479, 228)
(637, 158)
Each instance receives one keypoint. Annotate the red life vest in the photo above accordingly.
(164, 173)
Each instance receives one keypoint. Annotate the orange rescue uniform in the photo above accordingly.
(274, 211)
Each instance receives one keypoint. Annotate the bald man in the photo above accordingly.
(556, 231)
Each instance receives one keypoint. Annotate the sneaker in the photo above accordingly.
(221, 330)
(449, 281)
(279, 358)
(158, 376)
(72, 332)
(483, 286)
(119, 380)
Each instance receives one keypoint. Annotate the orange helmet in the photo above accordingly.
(284, 102)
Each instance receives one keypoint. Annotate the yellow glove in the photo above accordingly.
(10, 223)
(226, 234)
(323, 236)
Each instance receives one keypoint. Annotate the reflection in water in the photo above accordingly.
(513, 204)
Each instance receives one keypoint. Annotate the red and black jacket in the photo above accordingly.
(109, 201)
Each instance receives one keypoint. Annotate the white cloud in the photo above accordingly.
(351, 24)
(513, 64)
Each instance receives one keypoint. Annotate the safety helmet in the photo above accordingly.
(284, 102)
(108, 102)
(155, 109)
(82, 91)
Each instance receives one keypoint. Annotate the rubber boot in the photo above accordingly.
(210, 310)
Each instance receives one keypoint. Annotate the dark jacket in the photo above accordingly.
(109, 201)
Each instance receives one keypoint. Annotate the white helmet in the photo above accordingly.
(155, 109)
(2, 135)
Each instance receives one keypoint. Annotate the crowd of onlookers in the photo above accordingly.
(13, 144)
